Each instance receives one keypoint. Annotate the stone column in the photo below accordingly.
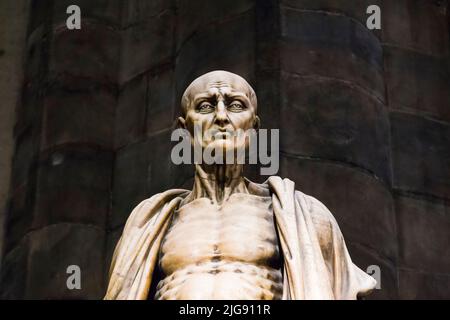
(61, 178)
(416, 49)
(335, 124)
(145, 111)
(13, 20)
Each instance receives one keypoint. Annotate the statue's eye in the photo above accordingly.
(205, 107)
(236, 106)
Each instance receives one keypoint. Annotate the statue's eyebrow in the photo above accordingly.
(229, 96)
(237, 95)
(203, 96)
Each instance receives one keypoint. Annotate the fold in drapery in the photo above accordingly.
(316, 261)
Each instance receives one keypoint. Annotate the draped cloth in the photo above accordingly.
(317, 265)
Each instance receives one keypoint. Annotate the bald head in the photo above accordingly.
(217, 82)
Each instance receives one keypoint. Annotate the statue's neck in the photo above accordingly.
(218, 182)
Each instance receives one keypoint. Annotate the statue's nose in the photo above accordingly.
(221, 114)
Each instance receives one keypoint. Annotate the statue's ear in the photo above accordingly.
(181, 123)
(256, 123)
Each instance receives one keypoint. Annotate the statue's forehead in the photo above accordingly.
(223, 83)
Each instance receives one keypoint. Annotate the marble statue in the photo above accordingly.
(230, 238)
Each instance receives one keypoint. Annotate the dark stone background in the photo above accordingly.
(364, 118)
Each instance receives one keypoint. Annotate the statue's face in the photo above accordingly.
(221, 103)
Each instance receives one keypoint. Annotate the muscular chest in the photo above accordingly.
(242, 229)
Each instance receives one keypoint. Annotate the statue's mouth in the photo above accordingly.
(223, 135)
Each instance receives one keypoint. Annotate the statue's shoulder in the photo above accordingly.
(314, 211)
(325, 225)
(319, 213)
(163, 197)
(148, 207)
